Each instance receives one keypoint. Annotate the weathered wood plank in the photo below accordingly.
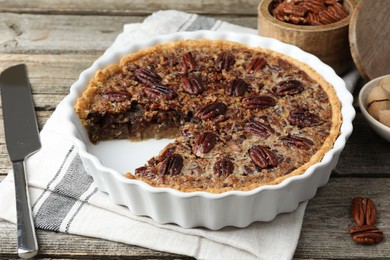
(324, 233)
(366, 153)
(59, 246)
(26, 33)
(51, 73)
(328, 218)
(130, 7)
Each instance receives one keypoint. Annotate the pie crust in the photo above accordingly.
(242, 117)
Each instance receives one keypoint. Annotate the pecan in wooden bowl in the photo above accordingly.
(319, 27)
(230, 128)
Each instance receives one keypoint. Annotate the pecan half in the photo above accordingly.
(192, 85)
(327, 17)
(368, 238)
(224, 61)
(172, 165)
(295, 10)
(366, 234)
(236, 87)
(204, 143)
(160, 91)
(298, 142)
(258, 128)
(363, 211)
(211, 110)
(288, 87)
(147, 76)
(256, 64)
(313, 6)
(263, 157)
(303, 118)
(260, 102)
(116, 95)
(223, 167)
(187, 62)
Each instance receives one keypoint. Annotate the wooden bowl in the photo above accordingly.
(328, 42)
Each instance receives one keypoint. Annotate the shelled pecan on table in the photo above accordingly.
(364, 215)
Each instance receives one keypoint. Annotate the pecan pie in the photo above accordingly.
(241, 116)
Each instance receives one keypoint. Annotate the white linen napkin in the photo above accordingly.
(65, 199)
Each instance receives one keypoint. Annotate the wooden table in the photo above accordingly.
(59, 39)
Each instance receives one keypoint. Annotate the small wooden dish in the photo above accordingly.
(329, 43)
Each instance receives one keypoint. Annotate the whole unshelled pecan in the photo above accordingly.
(204, 143)
(224, 61)
(260, 102)
(236, 87)
(147, 76)
(192, 85)
(211, 110)
(172, 165)
(288, 87)
(223, 167)
(263, 157)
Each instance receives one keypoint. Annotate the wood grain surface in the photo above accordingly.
(59, 39)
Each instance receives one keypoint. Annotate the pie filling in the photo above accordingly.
(241, 117)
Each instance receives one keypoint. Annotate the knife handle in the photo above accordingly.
(27, 241)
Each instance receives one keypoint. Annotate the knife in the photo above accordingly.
(22, 139)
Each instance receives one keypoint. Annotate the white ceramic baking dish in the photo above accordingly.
(107, 161)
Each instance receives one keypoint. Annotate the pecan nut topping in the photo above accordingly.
(147, 76)
(236, 88)
(160, 91)
(263, 157)
(116, 95)
(288, 87)
(258, 128)
(256, 64)
(211, 110)
(297, 141)
(223, 167)
(303, 118)
(205, 143)
(172, 165)
(187, 62)
(224, 61)
(260, 102)
(192, 85)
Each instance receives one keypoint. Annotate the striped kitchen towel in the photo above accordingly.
(65, 198)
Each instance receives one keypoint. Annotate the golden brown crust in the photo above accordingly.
(232, 163)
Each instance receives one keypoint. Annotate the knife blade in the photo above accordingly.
(22, 140)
